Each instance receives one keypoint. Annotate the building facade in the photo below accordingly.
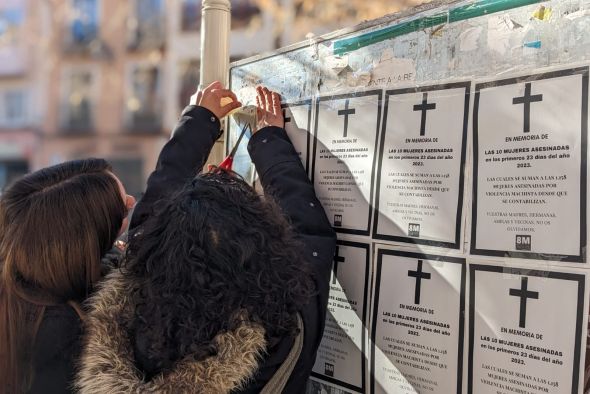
(105, 85)
(21, 87)
(102, 78)
(108, 78)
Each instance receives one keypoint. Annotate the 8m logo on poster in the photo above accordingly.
(413, 230)
(329, 369)
(523, 242)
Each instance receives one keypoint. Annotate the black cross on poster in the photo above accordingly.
(527, 99)
(346, 112)
(337, 259)
(524, 294)
(419, 275)
(424, 107)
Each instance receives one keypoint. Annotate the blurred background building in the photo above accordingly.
(108, 78)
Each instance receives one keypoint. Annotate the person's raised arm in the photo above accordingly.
(280, 170)
(283, 177)
(185, 154)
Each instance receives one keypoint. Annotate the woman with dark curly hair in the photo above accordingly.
(221, 290)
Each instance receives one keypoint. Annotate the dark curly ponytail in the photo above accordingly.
(211, 251)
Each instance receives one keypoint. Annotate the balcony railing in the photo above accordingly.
(146, 35)
(145, 122)
(86, 45)
(78, 125)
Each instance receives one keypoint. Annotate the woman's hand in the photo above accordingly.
(216, 99)
(269, 112)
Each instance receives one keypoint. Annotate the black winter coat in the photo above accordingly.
(56, 349)
(58, 343)
(282, 175)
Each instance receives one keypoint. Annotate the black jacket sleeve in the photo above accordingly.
(181, 158)
(283, 177)
(56, 350)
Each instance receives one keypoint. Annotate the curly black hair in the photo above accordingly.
(211, 252)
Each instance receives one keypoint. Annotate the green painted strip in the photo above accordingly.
(480, 8)
(486, 7)
(350, 44)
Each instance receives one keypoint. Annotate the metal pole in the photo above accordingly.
(215, 30)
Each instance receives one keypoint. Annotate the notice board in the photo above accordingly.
(448, 147)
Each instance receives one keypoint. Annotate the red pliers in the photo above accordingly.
(227, 163)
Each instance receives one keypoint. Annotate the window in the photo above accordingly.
(189, 81)
(77, 101)
(144, 104)
(130, 172)
(191, 15)
(83, 23)
(14, 108)
(322, 11)
(243, 11)
(10, 171)
(146, 27)
(13, 60)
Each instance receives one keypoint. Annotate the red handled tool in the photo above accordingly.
(227, 163)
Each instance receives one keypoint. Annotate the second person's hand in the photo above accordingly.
(269, 112)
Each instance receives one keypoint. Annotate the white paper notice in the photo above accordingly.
(343, 169)
(297, 125)
(526, 331)
(340, 357)
(420, 182)
(418, 324)
(529, 166)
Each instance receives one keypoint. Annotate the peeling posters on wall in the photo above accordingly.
(448, 148)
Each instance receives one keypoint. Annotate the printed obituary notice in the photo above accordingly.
(417, 331)
(420, 176)
(341, 355)
(297, 125)
(529, 147)
(343, 169)
(525, 331)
